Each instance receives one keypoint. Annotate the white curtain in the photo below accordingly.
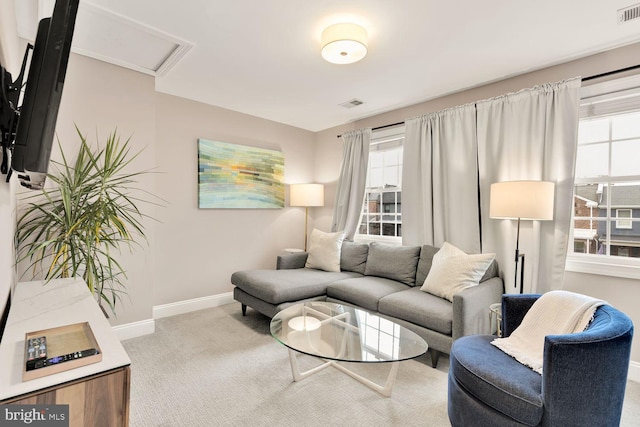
(352, 182)
(440, 180)
(530, 135)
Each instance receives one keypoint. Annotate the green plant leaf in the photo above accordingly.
(72, 229)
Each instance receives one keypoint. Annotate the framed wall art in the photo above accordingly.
(233, 176)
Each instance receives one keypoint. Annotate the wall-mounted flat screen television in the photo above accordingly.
(43, 91)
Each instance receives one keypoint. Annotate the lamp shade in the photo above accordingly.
(522, 199)
(306, 195)
(344, 43)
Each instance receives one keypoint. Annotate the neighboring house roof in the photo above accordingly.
(623, 195)
(588, 192)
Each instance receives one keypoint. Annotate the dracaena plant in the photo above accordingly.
(79, 227)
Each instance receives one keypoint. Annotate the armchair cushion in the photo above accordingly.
(496, 379)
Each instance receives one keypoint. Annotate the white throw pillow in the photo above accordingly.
(452, 270)
(324, 250)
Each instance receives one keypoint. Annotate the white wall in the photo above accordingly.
(621, 293)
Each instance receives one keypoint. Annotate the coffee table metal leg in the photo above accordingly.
(384, 390)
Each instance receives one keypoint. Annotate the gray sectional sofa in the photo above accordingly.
(379, 278)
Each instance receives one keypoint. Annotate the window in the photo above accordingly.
(623, 223)
(606, 208)
(381, 217)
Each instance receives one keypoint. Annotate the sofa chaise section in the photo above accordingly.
(269, 291)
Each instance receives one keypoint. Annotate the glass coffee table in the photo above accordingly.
(342, 333)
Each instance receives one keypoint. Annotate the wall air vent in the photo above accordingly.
(629, 13)
(352, 103)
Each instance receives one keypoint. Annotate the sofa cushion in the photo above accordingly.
(424, 263)
(504, 384)
(492, 271)
(277, 286)
(324, 250)
(353, 256)
(393, 262)
(419, 308)
(452, 271)
(364, 292)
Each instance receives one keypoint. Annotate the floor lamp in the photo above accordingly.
(306, 195)
(528, 200)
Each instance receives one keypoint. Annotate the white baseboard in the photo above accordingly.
(135, 329)
(148, 326)
(634, 371)
(187, 306)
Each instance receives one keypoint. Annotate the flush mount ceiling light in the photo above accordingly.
(344, 43)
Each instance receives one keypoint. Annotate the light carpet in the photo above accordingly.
(216, 368)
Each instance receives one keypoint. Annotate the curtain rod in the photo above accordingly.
(609, 73)
(382, 127)
(584, 79)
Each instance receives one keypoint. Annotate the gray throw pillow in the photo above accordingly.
(424, 264)
(353, 256)
(492, 271)
(393, 262)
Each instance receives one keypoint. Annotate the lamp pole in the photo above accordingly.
(306, 230)
(518, 256)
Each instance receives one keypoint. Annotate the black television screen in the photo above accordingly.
(43, 91)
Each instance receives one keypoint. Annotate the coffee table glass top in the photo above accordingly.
(344, 333)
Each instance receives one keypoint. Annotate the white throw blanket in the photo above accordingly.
(554, 313)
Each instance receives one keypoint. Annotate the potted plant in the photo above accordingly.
(79, 227)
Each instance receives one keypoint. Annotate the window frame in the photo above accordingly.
(607, 265)
(393, 135)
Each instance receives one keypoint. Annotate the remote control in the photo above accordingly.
(41, 363)
(36, 351)
(37, 348)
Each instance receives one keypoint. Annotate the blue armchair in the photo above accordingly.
(582, 384)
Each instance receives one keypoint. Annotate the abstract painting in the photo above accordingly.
(233, 176)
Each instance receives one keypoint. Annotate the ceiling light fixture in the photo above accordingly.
(344, 43)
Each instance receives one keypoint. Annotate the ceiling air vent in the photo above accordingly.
(629, 13)
(352, 103)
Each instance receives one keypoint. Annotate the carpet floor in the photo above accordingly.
(216, 368)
